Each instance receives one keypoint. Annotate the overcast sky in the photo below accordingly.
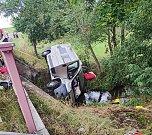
(5, 22)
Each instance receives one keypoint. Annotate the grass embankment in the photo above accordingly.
(10, 114)
(99, 47)
(61, 119)
(24, 50)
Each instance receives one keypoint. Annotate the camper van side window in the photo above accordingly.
(72, 68)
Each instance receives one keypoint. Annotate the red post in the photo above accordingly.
(6, 50)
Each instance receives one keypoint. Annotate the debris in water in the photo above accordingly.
(95, 96)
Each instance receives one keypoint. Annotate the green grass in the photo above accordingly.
(24, 50)
(9, 30)
(62, 119)
(12, 119)
(99, 47)
(23, 44)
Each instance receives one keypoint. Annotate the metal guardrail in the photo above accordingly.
(32, 118)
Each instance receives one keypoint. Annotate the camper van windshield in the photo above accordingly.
(72, 68)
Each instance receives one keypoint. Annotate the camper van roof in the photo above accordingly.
(61, 54)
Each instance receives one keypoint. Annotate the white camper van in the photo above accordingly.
(66, 71)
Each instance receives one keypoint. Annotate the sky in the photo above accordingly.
(5, 22)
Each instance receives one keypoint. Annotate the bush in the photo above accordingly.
(130, 64)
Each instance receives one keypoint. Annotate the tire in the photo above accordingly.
(53, 85)
(45, 53)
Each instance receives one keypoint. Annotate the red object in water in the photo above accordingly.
(3, 70)
(89, 75)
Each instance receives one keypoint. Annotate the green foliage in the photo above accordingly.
(35, 20)
(140, 20)
(130, 64)
(140, 77)
(134, 102)
(72, 1)
(114, 12)
(138, 96)
(40, 19)
(83, 22)
(136, 92)
(110, 12)
(89, 20)
(11, 7)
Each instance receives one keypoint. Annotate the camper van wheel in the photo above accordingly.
(53, 85)
(5, 85)
(45, 53)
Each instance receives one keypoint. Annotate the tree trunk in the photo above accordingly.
(95, 58)
(114, 36)
(35, 49)
(109, 42)
(122, 34)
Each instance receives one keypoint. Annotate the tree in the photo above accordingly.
(131, 64)
(83, 23)
(113, 15)
(140, 20)
(28, 21)
(39, 19)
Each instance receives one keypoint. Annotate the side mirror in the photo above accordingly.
(45, 53)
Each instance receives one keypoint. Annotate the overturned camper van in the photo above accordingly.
(66, 71)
